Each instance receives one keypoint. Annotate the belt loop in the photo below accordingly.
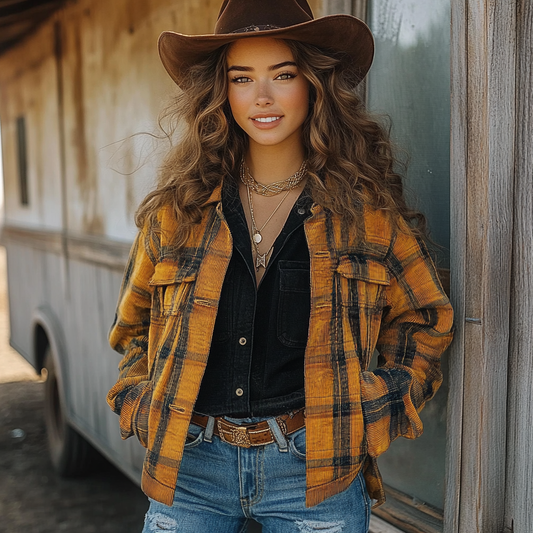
(209, 428)
(278, 435)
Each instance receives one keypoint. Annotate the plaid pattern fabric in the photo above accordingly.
(380, 292)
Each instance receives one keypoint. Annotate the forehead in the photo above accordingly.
(258, 51)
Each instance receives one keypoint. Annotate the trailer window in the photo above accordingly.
(22, 161)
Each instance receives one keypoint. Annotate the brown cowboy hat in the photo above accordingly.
(282, 19)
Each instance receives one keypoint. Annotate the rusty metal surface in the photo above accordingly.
(19, 17)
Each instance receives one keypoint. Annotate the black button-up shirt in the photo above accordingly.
(256, 361)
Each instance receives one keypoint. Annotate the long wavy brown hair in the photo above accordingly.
(350, 156)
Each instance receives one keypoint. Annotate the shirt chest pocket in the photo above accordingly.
(173, 287)
(294, 303)
(362, 283)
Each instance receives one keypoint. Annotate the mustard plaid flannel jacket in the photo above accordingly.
(376, 292)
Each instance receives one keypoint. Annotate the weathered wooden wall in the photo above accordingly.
(489, 424)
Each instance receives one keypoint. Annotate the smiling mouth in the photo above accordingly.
(266, 119)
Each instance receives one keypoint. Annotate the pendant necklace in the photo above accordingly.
(256, 232)
(271, 189)
(261, 259)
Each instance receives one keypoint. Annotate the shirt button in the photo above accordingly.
(239, 392)
(301, 211)
(242, 341)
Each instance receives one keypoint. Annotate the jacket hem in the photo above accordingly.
(156, 490)
(316, 495)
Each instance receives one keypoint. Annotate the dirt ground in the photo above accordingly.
(33, 499)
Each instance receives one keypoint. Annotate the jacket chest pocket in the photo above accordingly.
(362, 284)
(361, 289)
(173, 288)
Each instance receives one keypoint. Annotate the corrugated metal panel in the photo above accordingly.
(20, 17)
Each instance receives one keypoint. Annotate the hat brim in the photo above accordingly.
(342, 33)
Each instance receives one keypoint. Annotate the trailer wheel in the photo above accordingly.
(70, 453)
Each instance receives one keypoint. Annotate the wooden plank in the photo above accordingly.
(490, 181)
(458, 158)
(519, 486)
(482, 173)
(332, 7)
(409, 514)
(357, 8)
(380, 526)
(360, 9)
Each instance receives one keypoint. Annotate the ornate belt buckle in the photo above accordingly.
(240, 437)
(235, 435)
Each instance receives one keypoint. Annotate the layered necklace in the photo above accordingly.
(272, 189)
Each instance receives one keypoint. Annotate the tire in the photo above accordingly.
(70, 453)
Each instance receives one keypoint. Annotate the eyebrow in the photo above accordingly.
(272, 67)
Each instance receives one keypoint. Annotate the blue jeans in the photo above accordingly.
(221, 487)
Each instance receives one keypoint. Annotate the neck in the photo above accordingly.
(268, 164)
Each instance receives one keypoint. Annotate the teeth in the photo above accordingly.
(267, 119)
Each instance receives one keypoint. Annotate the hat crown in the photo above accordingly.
(238, 16)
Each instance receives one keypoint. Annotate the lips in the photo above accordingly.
(266, 120)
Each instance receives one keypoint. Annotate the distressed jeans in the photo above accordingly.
(221, 487)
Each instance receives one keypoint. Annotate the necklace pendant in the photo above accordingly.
(257, 237)
(260, 261)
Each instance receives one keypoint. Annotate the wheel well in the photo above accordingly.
(40, 344)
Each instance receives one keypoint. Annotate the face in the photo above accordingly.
(268, 97)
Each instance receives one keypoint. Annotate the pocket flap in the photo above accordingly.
(167, 273)
(360, 267)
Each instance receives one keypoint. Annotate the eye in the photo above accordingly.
(240, 79)
(286, 76)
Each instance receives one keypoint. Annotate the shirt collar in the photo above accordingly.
(215, 197)
(230, 198)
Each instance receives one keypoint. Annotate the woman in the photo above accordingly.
(275, 255)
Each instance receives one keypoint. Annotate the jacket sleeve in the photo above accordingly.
(130, 397)
(416, 328)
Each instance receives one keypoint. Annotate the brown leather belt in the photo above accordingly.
(255, 434)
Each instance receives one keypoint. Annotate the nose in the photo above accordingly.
(264, 95)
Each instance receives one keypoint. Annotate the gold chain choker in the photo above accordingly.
(272, 188)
